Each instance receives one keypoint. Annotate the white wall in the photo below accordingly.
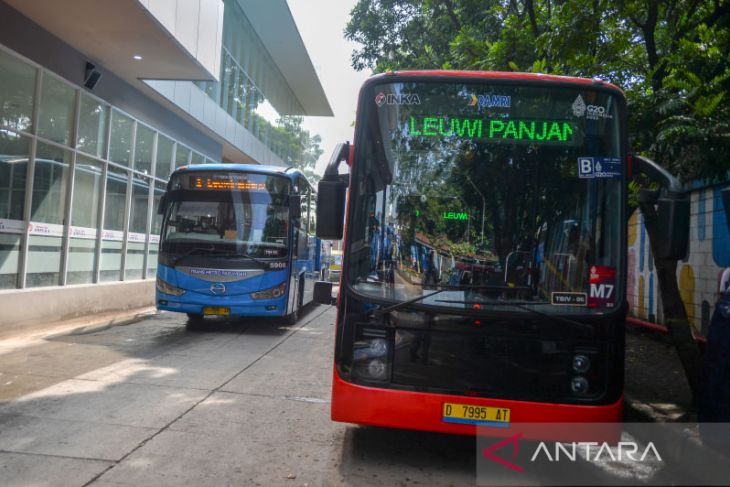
(197, 25)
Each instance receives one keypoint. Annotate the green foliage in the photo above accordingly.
(672, 58)
(297, 147)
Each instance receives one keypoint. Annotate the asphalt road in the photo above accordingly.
(240, 403)
(244, 403)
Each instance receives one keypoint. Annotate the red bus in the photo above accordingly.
(523, 173)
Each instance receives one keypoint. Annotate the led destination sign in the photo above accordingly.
(226, 181)
(539, 131)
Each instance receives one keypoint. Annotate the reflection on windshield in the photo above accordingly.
(253, 229)
(496, 210)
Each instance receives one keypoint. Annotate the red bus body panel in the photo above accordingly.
(393, 408)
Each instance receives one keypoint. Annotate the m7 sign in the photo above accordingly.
(602, 281)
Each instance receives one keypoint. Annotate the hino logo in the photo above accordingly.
(393, 99)
(218, 288)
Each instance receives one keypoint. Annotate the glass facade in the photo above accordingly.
(245, 67)
(79, 181)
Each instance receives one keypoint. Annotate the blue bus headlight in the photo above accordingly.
(271, 293)
(167, 288)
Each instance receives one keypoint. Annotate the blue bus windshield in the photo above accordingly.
(246, 214)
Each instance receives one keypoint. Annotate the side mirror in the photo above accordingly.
(323, 292)
(163, 203)
(295, 206)
(331, 209)
(331, 193)
(672, 207)
(673, 225)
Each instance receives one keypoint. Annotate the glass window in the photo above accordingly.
(56, 116)
(9, 258)
(50, 179)
(182, 156)
(14, 152)
(137, 228)
(113, 235)
(17, 88)
(197, 159)
(121, 138)
(84, 214)
(116, 198)
(155, 232)
(164, 157)
(13, 166)
(140, 195)
(92, 127)
(87, 192)
(143, 149)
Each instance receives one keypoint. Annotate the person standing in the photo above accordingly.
(714, 404)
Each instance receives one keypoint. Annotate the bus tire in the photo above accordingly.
(195, 321)
(293, 317)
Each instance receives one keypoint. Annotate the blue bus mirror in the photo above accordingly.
(295, 206)
(163, 203)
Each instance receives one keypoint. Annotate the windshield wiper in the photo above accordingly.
(378, 313)
(217, 252)
(522, 305)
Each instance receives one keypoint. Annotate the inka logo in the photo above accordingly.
(579, 107)
(397, 99)
(490, 101)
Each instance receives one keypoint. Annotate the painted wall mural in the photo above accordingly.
(698, 275)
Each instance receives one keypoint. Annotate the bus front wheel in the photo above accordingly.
(293, 317)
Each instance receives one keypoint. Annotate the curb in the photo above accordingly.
(75, 326)
(129, 317)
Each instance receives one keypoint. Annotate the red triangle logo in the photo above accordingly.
(514, 441)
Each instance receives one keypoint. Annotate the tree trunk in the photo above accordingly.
(675, 315)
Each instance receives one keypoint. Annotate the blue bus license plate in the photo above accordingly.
(216, 311)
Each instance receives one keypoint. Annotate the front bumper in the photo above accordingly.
(352, 403)
(239, 306)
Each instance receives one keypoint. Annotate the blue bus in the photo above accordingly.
(237, 240)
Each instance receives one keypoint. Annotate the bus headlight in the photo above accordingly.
(579, 385)
(377, 369)
(271, 293)
(372, 359)
(581, 363)
(167, 288)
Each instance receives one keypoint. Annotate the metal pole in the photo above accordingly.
(484, 203)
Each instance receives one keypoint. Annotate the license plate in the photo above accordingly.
(479, 415)
(216, 311)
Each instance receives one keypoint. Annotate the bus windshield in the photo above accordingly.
(236, 213)
(495, 195)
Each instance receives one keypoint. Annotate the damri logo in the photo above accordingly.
(491, 101)
(397, 99)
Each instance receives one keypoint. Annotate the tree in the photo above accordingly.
(297, 147)
(672, 57)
